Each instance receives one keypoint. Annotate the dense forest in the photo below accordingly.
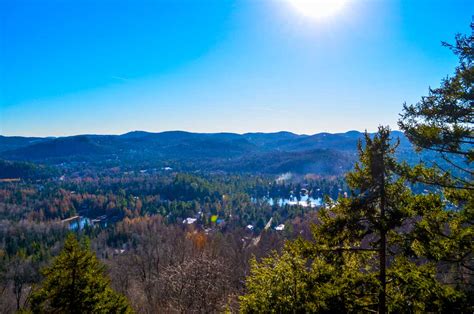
(122, 224)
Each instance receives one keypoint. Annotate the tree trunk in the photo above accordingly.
(383, 281)
(383, 241)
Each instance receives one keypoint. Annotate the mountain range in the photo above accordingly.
(323, 153)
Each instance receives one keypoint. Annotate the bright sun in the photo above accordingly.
(318, 8)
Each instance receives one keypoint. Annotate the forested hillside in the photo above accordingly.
(264, 153)
(254, 223)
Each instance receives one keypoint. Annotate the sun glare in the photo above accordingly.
(317, 9)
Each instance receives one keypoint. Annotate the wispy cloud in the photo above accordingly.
(120, 78)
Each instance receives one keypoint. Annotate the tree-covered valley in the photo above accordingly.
(180, 222)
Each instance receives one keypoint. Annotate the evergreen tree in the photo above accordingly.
(294, 282)
(443, 122)
(76, 283)
(357, 259)
(377, 207)
(375, 222)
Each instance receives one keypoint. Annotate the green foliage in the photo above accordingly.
(443, 121)
(379, 198)
(370, 251)
(76, 283)
(415, 288)
(25, 170)
(292, 283)
(377, 209)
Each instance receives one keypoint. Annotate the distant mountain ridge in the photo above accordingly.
(324, 153)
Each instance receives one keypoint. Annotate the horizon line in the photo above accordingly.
(190, 132)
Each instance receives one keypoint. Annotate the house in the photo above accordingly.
(280, 227)
(189, 221)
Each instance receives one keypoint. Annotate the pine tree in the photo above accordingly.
(378, 206)
(358, 260)
(76, 283)
(443, 123)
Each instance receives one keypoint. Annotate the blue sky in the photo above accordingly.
(109, 67)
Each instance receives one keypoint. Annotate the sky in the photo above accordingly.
(113, 66)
